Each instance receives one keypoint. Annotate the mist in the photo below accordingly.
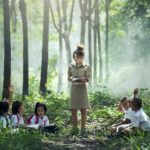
(127, 71)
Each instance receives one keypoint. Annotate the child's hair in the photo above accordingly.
(4, 106)
(123, 99)
(15, 107)
(136, 91)
(40, 105)
(137, 102)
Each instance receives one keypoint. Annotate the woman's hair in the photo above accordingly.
(40, 105)
(137, 103)
(4, 107)
(79, 51)
(15, 107)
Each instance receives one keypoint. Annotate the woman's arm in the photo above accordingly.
(70, 77)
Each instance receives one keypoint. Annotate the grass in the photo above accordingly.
(102, 115)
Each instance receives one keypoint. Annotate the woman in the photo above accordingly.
(78, 74)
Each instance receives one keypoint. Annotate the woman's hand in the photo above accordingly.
(84, 79)
(70, 78)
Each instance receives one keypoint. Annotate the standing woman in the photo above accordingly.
(78, 74)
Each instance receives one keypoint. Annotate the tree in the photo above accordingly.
(95, 28)
(89, 15)
(22, 7)
(83, 8)
(99, 41)
(63, 28)
(7, 50)
(107, 2)
(44, 65)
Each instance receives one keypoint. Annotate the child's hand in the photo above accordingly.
(11, 88)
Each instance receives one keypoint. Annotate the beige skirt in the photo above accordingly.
(79, 97)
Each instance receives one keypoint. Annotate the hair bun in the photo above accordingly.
(80, 47)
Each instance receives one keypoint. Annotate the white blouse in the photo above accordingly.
(4, 123)
(17, 120)
(44, 121)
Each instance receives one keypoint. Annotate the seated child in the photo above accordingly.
(17, 111)
(41, 118)
(4, 115)
(140, 120)
(129, 114)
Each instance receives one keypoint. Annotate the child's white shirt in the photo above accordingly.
(17, 120)
(129, 114)
(4, 122)
(44, 121)
(141, 120)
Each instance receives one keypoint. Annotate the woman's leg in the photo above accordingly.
(83, 118)
(74, 118)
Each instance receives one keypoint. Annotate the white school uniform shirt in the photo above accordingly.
(4, 123)
(17, 120)
(141, 120)
(44, 121)
(129, 114)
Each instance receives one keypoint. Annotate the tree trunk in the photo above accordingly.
(95, 54)
(68, 49)
(99, 42)
(82, 33)
(7, 50)
(44, 66)
(90, 40)
(107, 40)
(83, 8)
(60, 70)
(22, 7)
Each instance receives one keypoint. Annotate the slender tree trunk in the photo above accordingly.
(96, 28)
(7, 50)
(22, 7)
(13, 15)
(82, 33)
(83, 8)
(68, 49)
(99, 42)
(90, 40)
(44, 66)
(95, 55)
(107, 40)
(60, 70)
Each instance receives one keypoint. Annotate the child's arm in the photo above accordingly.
(14, 121)
(47, 121)
(126, 121)
(11, 90)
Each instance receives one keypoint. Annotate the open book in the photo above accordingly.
(77, 79)
(33, 126)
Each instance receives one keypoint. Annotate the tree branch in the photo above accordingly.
(53, 18)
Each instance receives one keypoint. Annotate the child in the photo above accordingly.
(41, 119)
(128, 117)
(4, 115)
(140, 120)
(17, 111)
